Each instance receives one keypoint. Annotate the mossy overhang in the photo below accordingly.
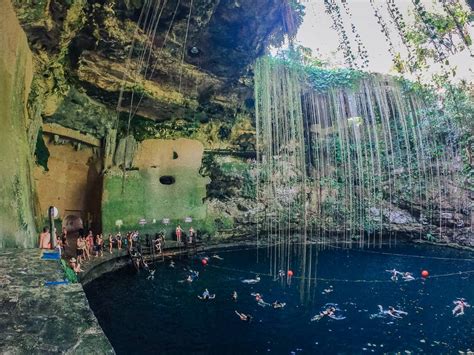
(228, 35)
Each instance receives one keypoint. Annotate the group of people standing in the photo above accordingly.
(89, 245)
(127, 241)
(191, 237)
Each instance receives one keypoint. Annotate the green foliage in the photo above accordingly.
(434, 36)
(321, 79)
(229, 177)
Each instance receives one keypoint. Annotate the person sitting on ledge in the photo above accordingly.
(45, 239)
(75, 266)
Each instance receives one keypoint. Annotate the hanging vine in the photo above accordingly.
(334, 11)
(384, 28)
(363, 55)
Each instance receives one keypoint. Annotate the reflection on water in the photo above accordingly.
(141, 315)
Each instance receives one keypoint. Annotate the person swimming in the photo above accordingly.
(234, 296)
(172, 264)
(330, 310)
(259, 299)
(392, 312)
(281, 273)
(408, 276)
(395, 274)
(277, 305)
(151, 275)
(244, 317)
(327, 290)
(206, 295)
(461, 304)
(252, 281)
(193, 275)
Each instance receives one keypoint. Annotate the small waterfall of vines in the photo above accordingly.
(341, 153)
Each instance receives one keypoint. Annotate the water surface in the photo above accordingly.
(164, 315)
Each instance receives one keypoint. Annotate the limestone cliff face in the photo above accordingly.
(17, 225)
(191, 65)
(191, 75)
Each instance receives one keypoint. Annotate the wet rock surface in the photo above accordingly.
(39, 319)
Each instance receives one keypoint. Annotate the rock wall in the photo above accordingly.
(163, 182)
(17, 224)
(74, 171)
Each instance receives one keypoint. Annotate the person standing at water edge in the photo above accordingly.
(80, 246)
(111, 243)
(179, 232)
(118, 239)
(191, 235)
(45, 239)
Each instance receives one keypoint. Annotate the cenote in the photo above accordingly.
(164, 314)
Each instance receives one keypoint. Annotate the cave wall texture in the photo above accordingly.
(17, 225)
(165, 184)
(76, 56)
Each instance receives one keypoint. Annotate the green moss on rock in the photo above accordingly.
(78, 111)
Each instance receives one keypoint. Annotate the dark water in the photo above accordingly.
(163, 315)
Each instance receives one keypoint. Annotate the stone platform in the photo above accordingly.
(38, 319)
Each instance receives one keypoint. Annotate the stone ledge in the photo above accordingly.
(54, 128)
(39, 319)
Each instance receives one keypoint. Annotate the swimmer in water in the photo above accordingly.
(328, 290)
(244, 317)
(328, 312)
(392, 312)
(281, 273)
(206, 295)
(408, 276)
(394, 273)
(234, 296)
(172, 264)
(151, 276)
(251, 281)
(192, 276)
(461, 304)
(277, 304)
(259, 299)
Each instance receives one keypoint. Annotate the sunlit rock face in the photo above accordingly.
(194, 83)
(16, 190)
(162, 183)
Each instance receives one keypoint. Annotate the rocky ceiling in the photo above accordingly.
(199, 62)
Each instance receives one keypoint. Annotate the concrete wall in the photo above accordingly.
(17, 226)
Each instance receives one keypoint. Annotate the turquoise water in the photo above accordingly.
(164, 315)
